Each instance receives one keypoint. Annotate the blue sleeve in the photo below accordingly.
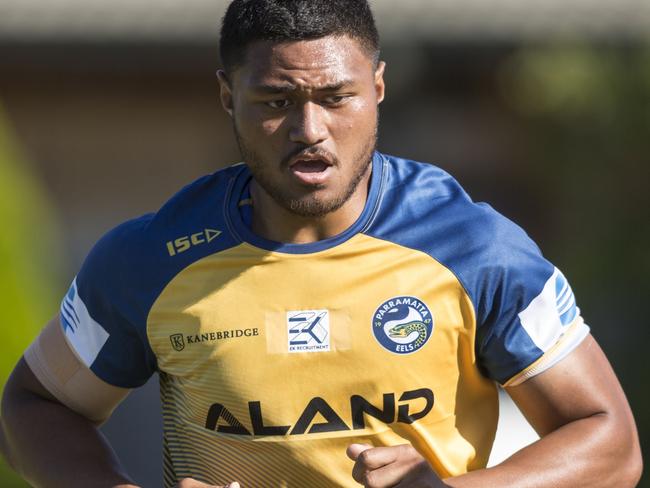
(527, 318)
(526, 315)
(103, 312)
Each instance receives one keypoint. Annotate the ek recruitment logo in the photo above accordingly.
(308, 330)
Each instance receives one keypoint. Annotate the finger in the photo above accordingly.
(234, 484)
(371, 459)
(376, 457)
(405, 473)
(354, 450)
(396, 462)
(389, 475)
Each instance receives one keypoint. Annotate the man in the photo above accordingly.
(321, 299)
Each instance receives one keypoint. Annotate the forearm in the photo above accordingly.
(52, 446)
(583, 453)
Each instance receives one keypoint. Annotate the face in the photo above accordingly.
(305, 117)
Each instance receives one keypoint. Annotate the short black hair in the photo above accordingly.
(247, 21)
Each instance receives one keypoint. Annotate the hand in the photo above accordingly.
(192, 483)
(397, 466)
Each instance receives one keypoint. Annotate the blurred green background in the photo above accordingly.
(103, 121)
(30, 260)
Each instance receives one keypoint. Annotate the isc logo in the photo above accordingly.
(182, 244)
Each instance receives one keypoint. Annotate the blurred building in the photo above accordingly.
(116, 105)
(197, 20)
(123, 93)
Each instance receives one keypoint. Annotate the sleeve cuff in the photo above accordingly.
(574, 335)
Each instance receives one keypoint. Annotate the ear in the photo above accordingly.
(225, 91)
(380, 87)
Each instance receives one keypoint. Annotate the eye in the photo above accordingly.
(335, 99)
(279, 104)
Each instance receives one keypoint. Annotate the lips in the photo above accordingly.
(310, 166)
(310, 169)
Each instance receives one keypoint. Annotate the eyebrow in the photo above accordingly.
(290, 87)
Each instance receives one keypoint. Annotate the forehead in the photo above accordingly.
(308, 64)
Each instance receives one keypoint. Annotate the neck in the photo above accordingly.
(274, 222)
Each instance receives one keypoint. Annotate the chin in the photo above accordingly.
(314, 207)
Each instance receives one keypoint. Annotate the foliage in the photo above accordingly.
(587, 110)
(29, 260)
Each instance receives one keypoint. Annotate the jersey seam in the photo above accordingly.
(226, 204)
(541, 364)
(162, 290)
(460, 281)
(380, 196)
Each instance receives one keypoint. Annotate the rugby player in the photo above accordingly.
(322, 301)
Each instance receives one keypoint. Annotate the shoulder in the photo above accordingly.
(138, 257)
(440, 216)
(109, 301)
(424, 208)
(196, 207)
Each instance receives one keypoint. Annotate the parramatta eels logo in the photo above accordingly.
(402, 324)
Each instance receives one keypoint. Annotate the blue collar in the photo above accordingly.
(240, 213)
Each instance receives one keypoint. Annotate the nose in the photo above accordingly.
(308, 124)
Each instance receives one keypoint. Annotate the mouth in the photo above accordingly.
(310, 169)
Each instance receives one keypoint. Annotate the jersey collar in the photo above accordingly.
(240, 188)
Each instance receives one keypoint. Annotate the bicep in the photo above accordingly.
(52, 370)
(581, 385)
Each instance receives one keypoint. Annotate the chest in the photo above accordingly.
(268, 335)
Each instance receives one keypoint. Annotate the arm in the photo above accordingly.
(47, 442)
(53, 441)
(588, 433)
(578, 407)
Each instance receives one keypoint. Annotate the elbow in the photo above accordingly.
(632, 468)
(633, 462)
(626, 461)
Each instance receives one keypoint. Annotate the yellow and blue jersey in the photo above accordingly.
(274, 357)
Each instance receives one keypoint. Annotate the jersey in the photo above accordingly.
(274, 357)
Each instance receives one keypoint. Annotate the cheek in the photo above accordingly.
(357, 120)
(270, 127)
(255, 126)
